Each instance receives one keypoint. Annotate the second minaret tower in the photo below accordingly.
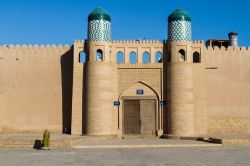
(180, 97)
(101, 77)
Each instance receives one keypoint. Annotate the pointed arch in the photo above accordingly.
(182, 55)
(133, 57)
(140, 82)
(158, 57)
(196, 57)
(120, 57)
(99, 55)
(82, 57)
(145, 57)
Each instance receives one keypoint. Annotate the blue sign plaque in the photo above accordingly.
(139, 91)
(117, 103)
(163, 102)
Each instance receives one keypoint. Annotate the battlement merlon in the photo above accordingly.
(198, 43)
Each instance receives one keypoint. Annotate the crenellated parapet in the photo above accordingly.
(153, 49)
(198, 43)
(218, 57)
(231, 50)
(16, 47)
(29, 51)
(79, 43)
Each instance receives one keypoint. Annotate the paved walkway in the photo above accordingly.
(137, 143)
(182, 156)
(129, 152)
(96, 142)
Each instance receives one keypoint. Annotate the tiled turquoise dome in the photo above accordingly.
(99, 28)
(179, 26)
(99, 14)
(178, 15)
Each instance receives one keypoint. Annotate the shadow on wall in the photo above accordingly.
(166, 57)
(83, 102)
(67, 86)
(84, 90)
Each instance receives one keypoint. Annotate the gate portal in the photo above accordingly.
(139, 116)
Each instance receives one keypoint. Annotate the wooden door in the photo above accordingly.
(147, 116)
(131, 116)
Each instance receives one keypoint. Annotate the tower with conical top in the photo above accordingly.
(101, 76)
(179, 83)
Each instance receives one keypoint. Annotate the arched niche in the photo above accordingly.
(196, 57)
(182, 55)
(133, 57)
(82, 57)
(99, 55)
(120, 57)
(158, 57)
(145, 57)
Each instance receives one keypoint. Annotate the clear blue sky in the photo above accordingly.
(62, 21)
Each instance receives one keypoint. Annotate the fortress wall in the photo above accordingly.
(1, 91)
(200, 120)
(78, 97)
(139, 47)
(31, 87)
(228, 90)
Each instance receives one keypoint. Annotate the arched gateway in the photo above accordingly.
(139, 110)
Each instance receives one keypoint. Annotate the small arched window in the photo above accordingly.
(82, 57)
(196, 57)
(182, 55)
(120, 57)
(99, 55)
(158, 57)
(145, 57)
(132, 57)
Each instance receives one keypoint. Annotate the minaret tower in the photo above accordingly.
(101, 77)
(180, 97)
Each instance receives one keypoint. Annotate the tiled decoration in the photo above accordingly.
(99, 30)
(179, 31)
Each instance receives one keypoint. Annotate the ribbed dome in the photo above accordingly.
(179, 15)
(99, 14)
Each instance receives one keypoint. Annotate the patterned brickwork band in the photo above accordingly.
(179, 31)
(99, 30)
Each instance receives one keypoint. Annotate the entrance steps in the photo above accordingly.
(139, 136)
